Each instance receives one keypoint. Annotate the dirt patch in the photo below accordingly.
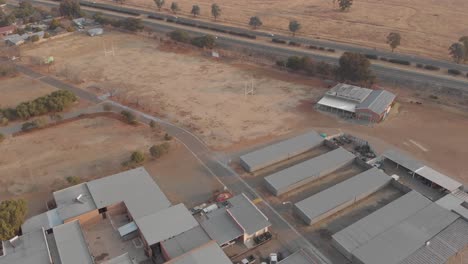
(20, 89)
(427, 27)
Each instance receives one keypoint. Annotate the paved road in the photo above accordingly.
(287, 234)
(383, 72)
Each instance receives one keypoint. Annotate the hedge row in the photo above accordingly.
(110, 8)
(371, 56)
(454, 72)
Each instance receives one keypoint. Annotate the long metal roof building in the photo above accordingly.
(360, 232)
(280, 151)
(377, 101)
(209, 253)
(247, 215)
(341, 195)
(307, 171)
(71, 244)
(185, 242)
(30, 248)
(400, 241)
(422, 170)
(298, 257)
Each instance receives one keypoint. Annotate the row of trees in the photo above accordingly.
(55, 102)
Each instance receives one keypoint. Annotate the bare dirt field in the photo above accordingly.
(20, 89)
(207, 97)
(40, 161)
(427, 27)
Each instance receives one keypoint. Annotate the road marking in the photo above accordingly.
(418, 145)
(258, 200)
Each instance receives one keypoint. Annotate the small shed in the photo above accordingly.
(95, 32)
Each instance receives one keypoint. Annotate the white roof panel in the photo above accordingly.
(337, 103)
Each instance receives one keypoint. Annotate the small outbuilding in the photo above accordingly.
(95, 32)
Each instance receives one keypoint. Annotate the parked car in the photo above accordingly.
(273, 258)
(248, 260)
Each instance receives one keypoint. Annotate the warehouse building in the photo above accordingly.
(411, 229)
(356, 102)
(280, 151)
(340, 196)
(300, 174)
(166, 231)
(298, 257)
(423, 172)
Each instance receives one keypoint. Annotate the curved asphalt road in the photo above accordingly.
(288, 235)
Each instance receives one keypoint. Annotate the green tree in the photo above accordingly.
(294, 26)
(207, 41)
(158, 150)
(2, 137)
(464, 40)
(195, 10)
(2, 2)
(129, 117)
(393, 40)
(457, 51)
(137, 157)
(345, 4)
(24, 10)
(180, 36)
(255, 22)
(159, 4)
(175, 7)
(12, 214)
(215, 11)
(34, 38)
(132, 24)
(354, 67)
(70, 8)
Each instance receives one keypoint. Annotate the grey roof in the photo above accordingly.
(377, 101)
(372, 225)
(349, 92)
(400, 241)
(442, 246)
(165, 224)
(15, 39)
(352, 189)
(67, 205)
(45, 220)
(122, 259)
(209, 253)
(310, 170)
(247, 215)
(95, 31)
(141, 195)
(71, 244)
(403, 159)
(454, 204)
(280, 151)
(31, 248)
(185, 242)
(221, 227)
(298, 257)
(439, 178)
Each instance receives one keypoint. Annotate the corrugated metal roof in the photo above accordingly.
(185, 242)
(360, 232)
(439, 178)
(313, 168)
(377, 101)
(67, 205)
(209, 253)
(71, 244)
(280, 151)
(298, 257)
(350, 92)
(221, 227)
(31, 248)
(45, 220)
(403, 159)
(342, 193)
(247, 215)
(141, 195)
(453, 203)
(400, 241)
(165, 224)
(338, 103)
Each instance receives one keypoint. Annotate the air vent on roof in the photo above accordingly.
(80, 198)
(14, 241)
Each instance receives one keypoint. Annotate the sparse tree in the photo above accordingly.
(255, 22)
(464, 40)
(70, 8)
(159, 4)
(345, 4)
(137, 157)
(354, 67)
(2, 137)
(175, 7)
(215, 11)
(294, 26)
(393, 40)
(195, 10)
(457, 51)
(55, 23)
(12, 214)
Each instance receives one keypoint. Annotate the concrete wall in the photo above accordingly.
(84, 218)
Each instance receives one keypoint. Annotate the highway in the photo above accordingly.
(287, 234)
(383, 72)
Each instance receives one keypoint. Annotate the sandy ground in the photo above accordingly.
(427, 27)
(208, 97)
(20, 89)
(40, 161)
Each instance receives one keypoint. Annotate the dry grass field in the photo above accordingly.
(428, 27)
(207, 97)
(20, 89)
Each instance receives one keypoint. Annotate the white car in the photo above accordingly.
(273, 258)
